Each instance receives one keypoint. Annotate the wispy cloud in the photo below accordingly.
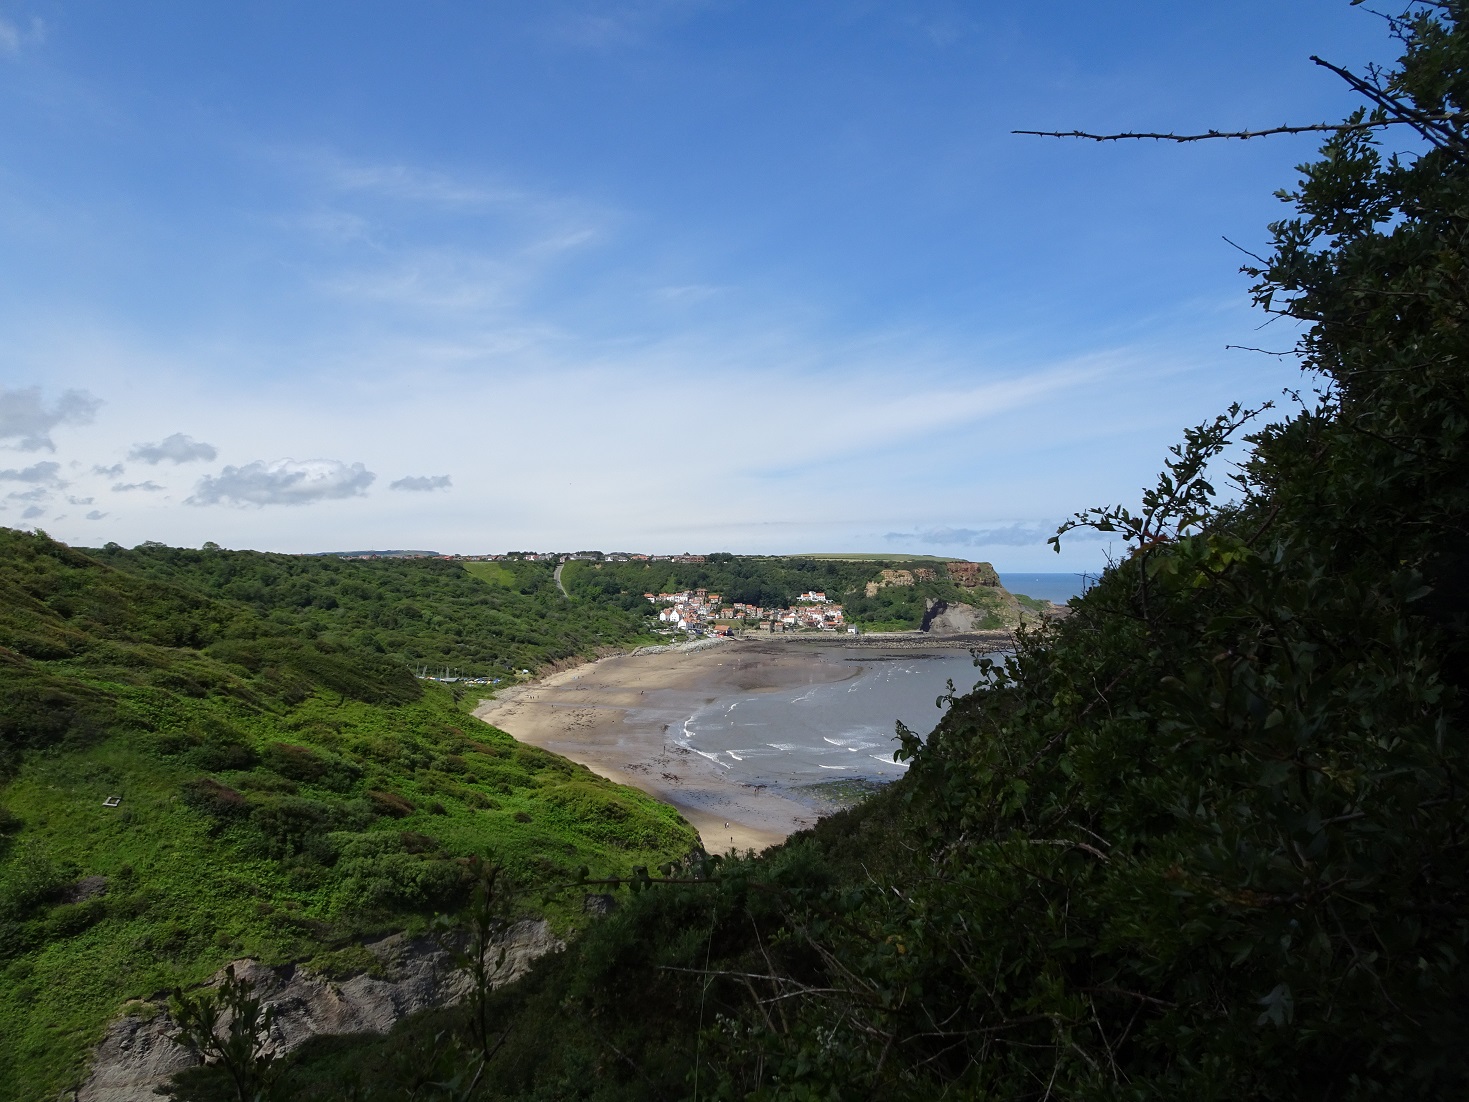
(421, 483)
(283, 482)
(356, 196)
(26, 420)
(415, 184)
(1017, 534)
(610, 26)
(14, 38)
(177, 448)
(128, 487)
(436, 281)
(96, 514)
(907, 401)
(480, 247)
(113, 471)
(685, 293)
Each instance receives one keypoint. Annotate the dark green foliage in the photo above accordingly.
(390, 804)
(40, 711)
(617, 1016)
(382, 871)
(1206, 838)
(217, 800)
(308, 766)
(359, 627)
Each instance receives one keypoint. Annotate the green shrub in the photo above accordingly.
(29, 880)
(286, 822)
(380, 872)
(70, 919)
(390, 804)
(42, 711)
(215, 799)
(300, 763)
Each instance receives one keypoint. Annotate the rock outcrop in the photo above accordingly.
(971, 575)
(943, 618)
(138, 1052)
(886, 578)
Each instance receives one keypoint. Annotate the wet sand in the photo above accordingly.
(617, 717)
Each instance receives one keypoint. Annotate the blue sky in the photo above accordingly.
(761, 277)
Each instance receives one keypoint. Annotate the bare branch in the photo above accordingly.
(1241, 248)
(1415, 120)
(1262, 351)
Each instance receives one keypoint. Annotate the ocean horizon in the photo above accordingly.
(1058, 587)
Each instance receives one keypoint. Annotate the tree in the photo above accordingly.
(230, 1027)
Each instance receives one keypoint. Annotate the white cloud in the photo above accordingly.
(128, 487)
(178, 448)
(40, 493)
(45, 474)
(283, 482)
(421, 483)
(113, 471)
(96, 514)
(32, 512)
(26, 421)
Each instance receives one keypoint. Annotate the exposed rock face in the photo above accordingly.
(969, 575)
(89, 887)
(943, 618)
(889, 577)
(135, 1056)
(138, 1054)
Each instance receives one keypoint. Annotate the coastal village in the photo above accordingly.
(700, 612)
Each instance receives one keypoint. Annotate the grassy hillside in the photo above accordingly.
(487, 619)
(285, 788)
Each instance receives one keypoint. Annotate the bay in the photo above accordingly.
(840, 729)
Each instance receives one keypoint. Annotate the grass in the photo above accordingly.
(281, 799)
(186, 893)
(1032, 604)
(491, 572)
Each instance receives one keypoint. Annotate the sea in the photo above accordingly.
(1048, 587)
(839, 731)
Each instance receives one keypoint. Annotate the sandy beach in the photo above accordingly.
(614, 716)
